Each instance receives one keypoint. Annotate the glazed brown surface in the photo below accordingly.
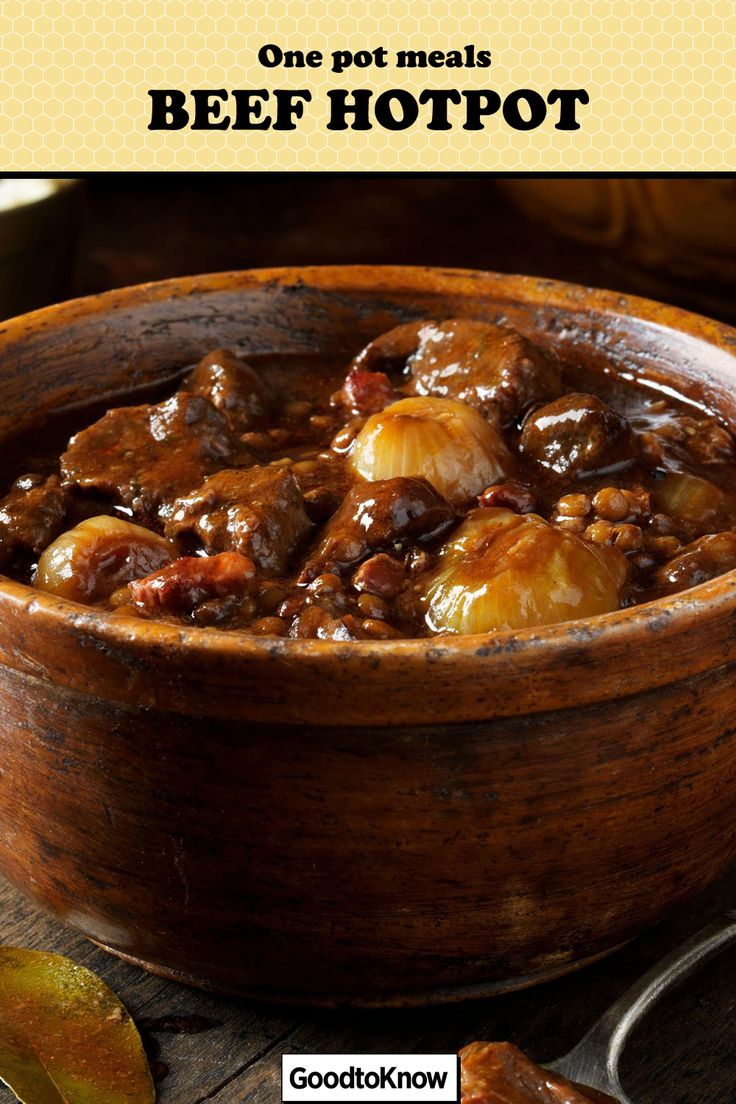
(374, 822)
(499, 1073)
(595, 491)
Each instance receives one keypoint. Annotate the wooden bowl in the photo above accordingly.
(380, 822)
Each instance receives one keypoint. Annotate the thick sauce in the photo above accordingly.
(454, 478)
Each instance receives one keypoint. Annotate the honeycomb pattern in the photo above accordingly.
(74, 76)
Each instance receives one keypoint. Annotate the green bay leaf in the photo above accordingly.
(65, 1038)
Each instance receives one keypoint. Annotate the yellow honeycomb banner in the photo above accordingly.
(660, 75)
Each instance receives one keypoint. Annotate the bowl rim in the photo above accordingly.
(672, 614)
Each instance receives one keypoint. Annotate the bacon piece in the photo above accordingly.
(191, 580)
(381, 575)
(368, 392)
(509, 495)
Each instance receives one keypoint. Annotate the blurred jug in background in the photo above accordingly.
(40, 219)
(675, 237)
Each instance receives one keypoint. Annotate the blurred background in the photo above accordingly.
(669, 238)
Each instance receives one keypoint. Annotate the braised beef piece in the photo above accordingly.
(32, 514)
(698, 562)
(647, 483)
(375, 517)
(145, 457)
(190, 581)
(683, 439)
(492, 368)
(390, 351)
(576, 434)
(500, 1073)
(489, 367)
(235, 388)
(324, 482)
(706, 441)
(258, 511)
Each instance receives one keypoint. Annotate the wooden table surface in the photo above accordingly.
(210, 1049)
(206, 1048)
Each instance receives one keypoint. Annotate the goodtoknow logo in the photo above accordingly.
(364, 1077)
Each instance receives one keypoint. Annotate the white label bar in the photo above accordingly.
(385, 1077)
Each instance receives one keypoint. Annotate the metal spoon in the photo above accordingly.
(595, 1060)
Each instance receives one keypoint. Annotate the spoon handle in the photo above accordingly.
(595, 1060)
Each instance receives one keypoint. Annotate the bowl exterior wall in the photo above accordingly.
(365, 864)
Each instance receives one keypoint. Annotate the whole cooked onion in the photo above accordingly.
(502, 570)
(443, 441)
(87, 563)
(696, 503)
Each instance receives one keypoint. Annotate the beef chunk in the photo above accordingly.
(147, 456)
(391, 351)
(193, 580)
(576, 434)
(492, 368)
(257, 511)
(698, 562)
(377, 516)
(235, 388)
(324, 482)
(685, 439)
(499, 1073)
(31, 515)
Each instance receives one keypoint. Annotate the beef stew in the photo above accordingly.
(454, 478)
